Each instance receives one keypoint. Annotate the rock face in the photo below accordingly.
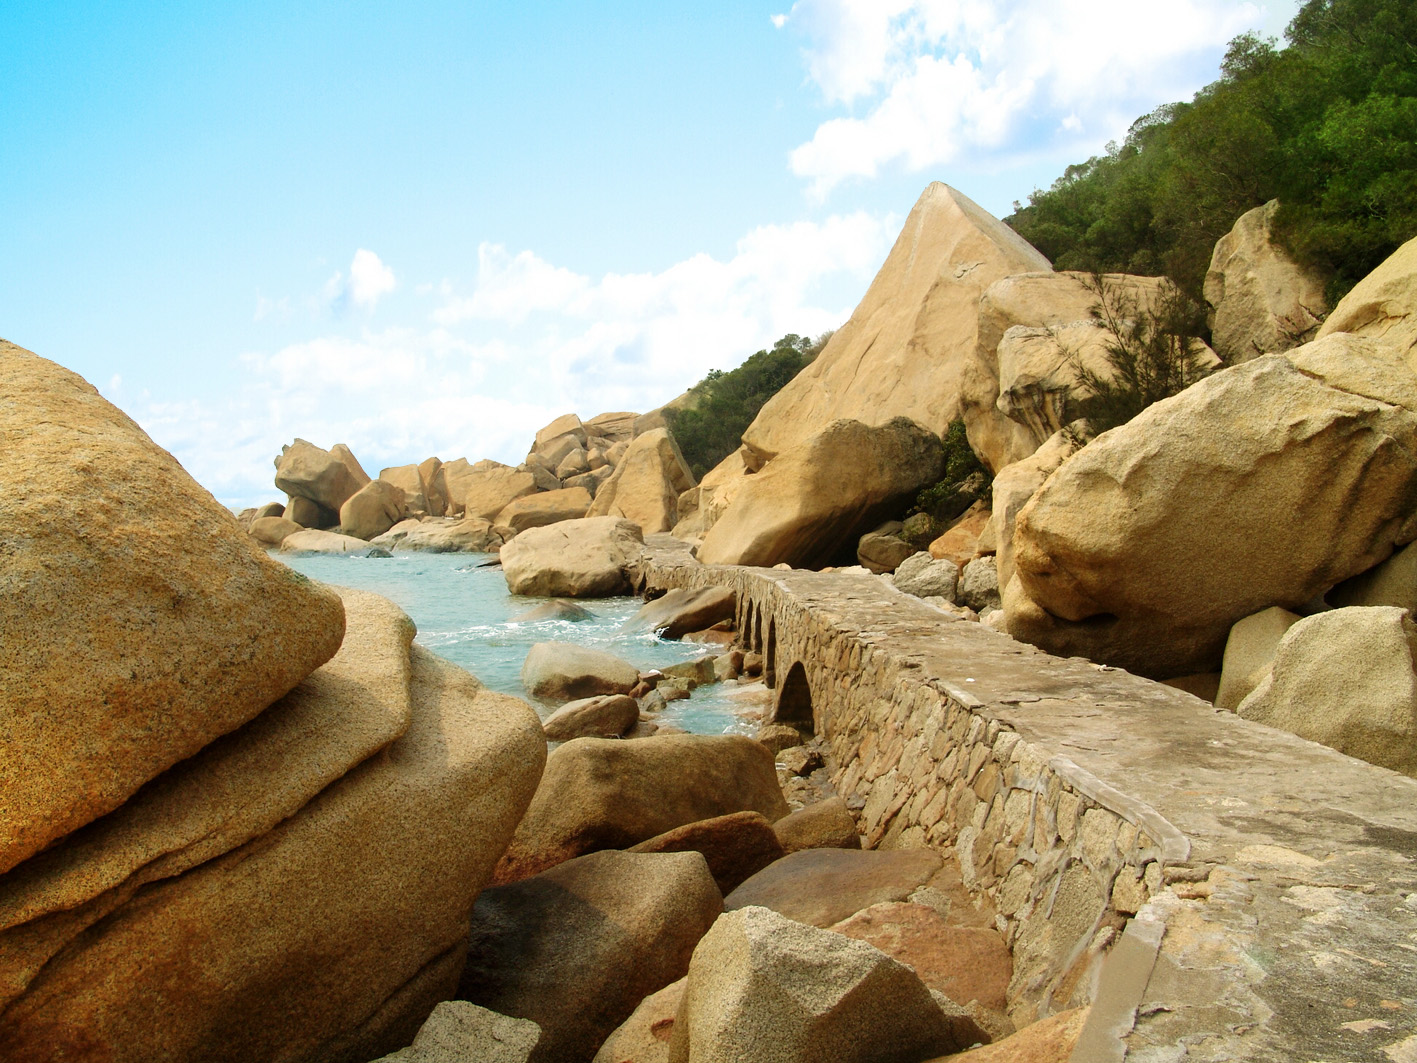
(927, 577)
(1249, 653)
(1262, 301)
(305, 471)
(1394, 582)
(606, 716)
(678, 612)
(821, 887)
(310, 541)
(562, 671)
(138, 621)
(736, 846)
(644, 1037)
(446, 536)
(218, 915)
(485, 488)
(272, 531)
(605, 794)
(458, 1031)
(1013, 488)
(1105, 553)
(1346, 678)
(1383, 305)
(576, 948)
(547, 507)
(646, 485)
(909, 349)
(810, 506)
(372, 510)
(962, 542)
(409, 479)
(588, 558)
(763, 987)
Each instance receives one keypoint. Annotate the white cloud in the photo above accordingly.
(368, 281)
(945, 81)
(509, 287)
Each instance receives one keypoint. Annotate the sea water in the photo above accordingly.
(464, 613)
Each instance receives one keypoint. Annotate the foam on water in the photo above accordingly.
(463, 612)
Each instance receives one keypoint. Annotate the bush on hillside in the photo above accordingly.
(965, 480)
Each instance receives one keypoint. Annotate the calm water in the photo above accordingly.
(464, 612)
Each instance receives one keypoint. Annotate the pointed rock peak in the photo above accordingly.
(942, 208)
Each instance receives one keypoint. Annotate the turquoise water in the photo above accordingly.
(463, 613)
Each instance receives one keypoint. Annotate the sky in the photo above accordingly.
(431, 227)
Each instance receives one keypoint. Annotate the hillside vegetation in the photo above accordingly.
(1328, 125)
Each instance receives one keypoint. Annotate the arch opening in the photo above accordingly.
(794, 700)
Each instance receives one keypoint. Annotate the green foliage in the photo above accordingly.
(965, 479)
(1328, 126)
(725, 403)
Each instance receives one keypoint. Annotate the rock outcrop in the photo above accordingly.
(821, 887)
(736, 847)
(602, 716)
(309, 541)
(1383, 305)
(323, 477)
(646, 485)
(563, 671)
(485, 488)
(543, 508)
(372, 510)
(678, 612)
(587, 558)
(446, 535)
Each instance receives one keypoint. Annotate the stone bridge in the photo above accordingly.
(1216, 889)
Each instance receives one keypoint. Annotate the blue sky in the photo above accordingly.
(431, 227)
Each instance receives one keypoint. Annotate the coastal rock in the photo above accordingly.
(812, 503)
(1393, 582)
(825, 824)
(646, 484)
(1262, 301)
(270, 509)
(563, 671)
(573, 464)
(883, 550)
(758, 979)
(909, 349)
(1249, 653)
(409, 479)
(588, 558)
(310, 514)
(605, 716)
(678, 612)
(310, 541)
(349, 461)
(1383, 305)
(821, 887)
(458, 1031)
(272, 531)
(1049, 1040)
(138, 623)
(556, 609)
(606, 794)
(435, 486)
(576, 948)
(1014, 487)
(1345, 678)
(484, 489)
(736, 846)
(960, 543)
(471, 535)
(927, 577)
(644, 1036)
(555, 440)
(547, 507)
(372, 510)
(1105, 553)
(304, 470)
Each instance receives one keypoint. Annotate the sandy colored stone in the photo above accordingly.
(646, 484)
(1249, 653)
(567, 425)
(825, 824)
(644, 1037)
(485, 488)
(346, 457)
(883, 550)
(409, 480)
(677, 612)
(556, 609)
(310, 514)
(1393, 582)
(587, 558)
(310, 541)
(576, 948)
(458, 1031)
(283, 946)
(927, 577)
(1383, 305)
(824, 886)
(960, 543)
(1049, 1040)
(909, 349)
(546, 507)
(1262, 301)
(138, 621)
(605, 794)
(736, 846)
(573, 464)
(1345, 679)
(616, 427)
(767, 989)
(1013, 488)
(812, 503)
(1204, 685)
(1107, 552)
(372, 510)
(270, 509)
(271, 531)
(304, 470)
(447, 535)
(562, 671)
(979, 585)
(603, 716)
(435, 487)
(701, 507)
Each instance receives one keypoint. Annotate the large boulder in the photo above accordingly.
(587, 558)
(1049, 1040)
(546, 507)
(822, 887)
(677, 612)
(1346, 679)
(909, 349)
(762, 987)
(138, 621)
(576, 948)
(555, 440)
(304, 470)
(309, 541)
(1262, 301)
(646, 485)
(826, 824)
(310, 514)
(435, 486)
(602, 716)
(927, 577)
(1014, 487)
(484, 489)
(1145, 547)
(444, 536)
(961, 543)
(272, 531)
(607, 794)
(882, 550)
(1393, 582)
(701, 506)
(372, 510)
(616, 427)
(458, 1031)
(1383, 305)
(812, 503)
(349, 461)
(644, 1037)
(409, 479)
(736, 846)
(1249, 653)
(564, 671)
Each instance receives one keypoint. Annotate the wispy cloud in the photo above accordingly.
(367, 282)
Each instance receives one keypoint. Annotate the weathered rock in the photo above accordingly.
(547, 507)
(588, 558)
(801, 760)
(736, 846)
(727, 665)
(604, 794)
(458, 1031)
(1203, 685)
(701, 507)
(960, 543)
(678, 612)
(979, 585)
(445, 536)
(646, 484)
(138, 622)
(573, 464)
(1014, 487)
(576, 948)
(1383, 305)
(409, 480)
(1249, 653)
(556, 609)
(964, 963)
(310, 541)
(355, 951)
(372, 510)
(486, 488)
(825, 824)
(1049, 1040)
(927, 577)
(604, 716)
(350, 462)
(1393, 582)
(1262, 301)
(562, 671)
(1106, 552)
(435, 486)
(270, 509)
(564, 430)
(762, 987)
(304, 470)
(778, 736)
(1346, 679)
(644, 1036)
(811, 504)
(310, 514)
(883, 550)
(272, 531)
(616, 427)
(822, 887)
(909, 349)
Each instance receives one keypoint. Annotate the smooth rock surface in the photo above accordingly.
(1383, 305)
(564, 671)
(1249, 653)
(485, 488)
(310, 541)
(825, 824)
(458, 1031)
(588, 558)
(644, 1037)
(821, 887)
(546, 507)
(304, 470)
(372, 510)
(447, 536)
(646, 484)
(677, 612)
(736, 846)
(1049, 1040)
(1393, 582)
(605, 716)
(272, 531)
